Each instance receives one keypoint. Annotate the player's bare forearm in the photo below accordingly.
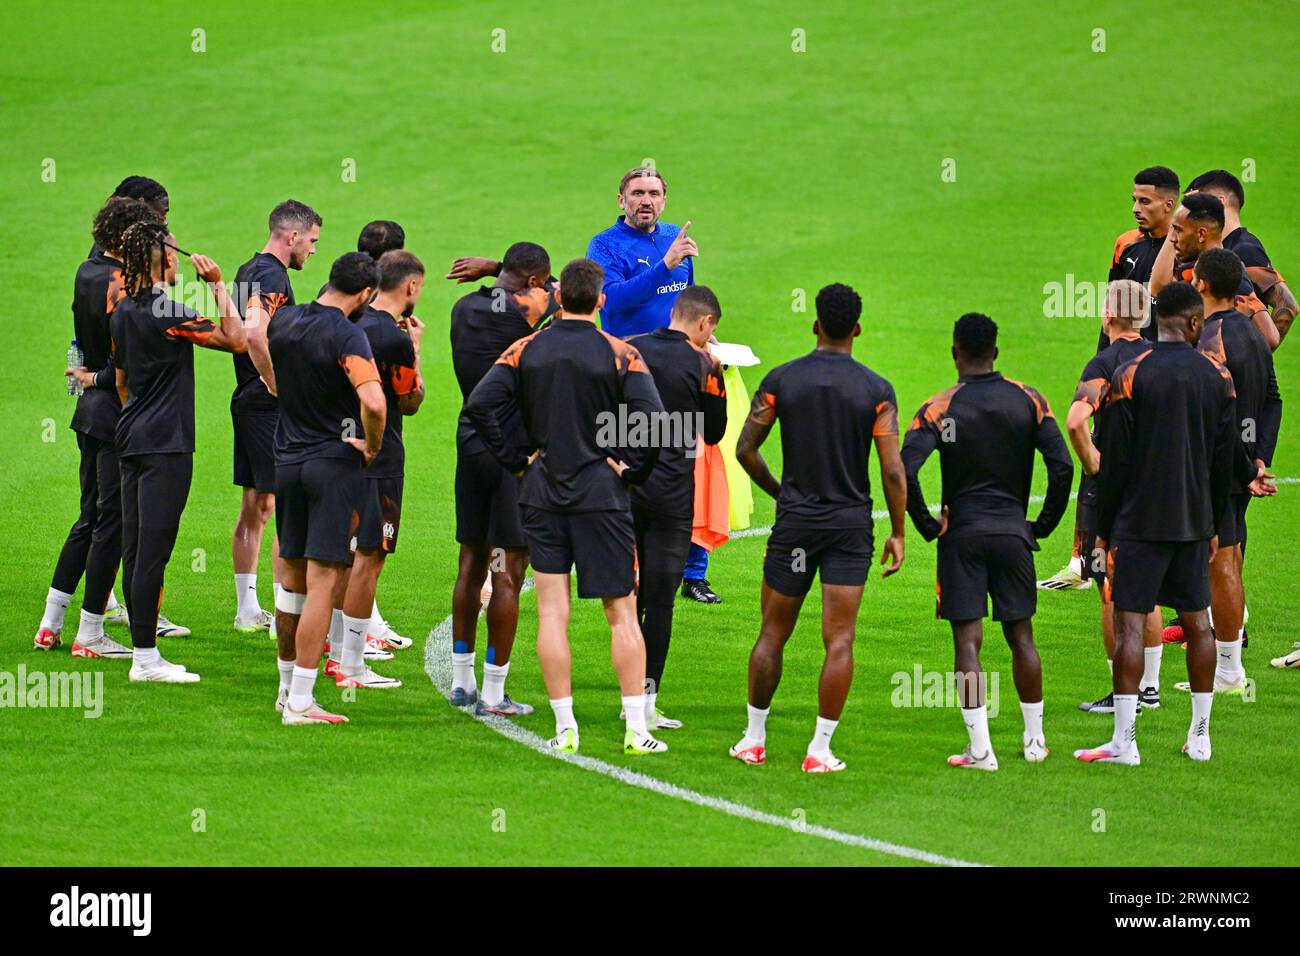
(751, 437)
(1283, 303)
(1268, 328)
(231, 337)
(1162, 271)
(120, 382)
(1077, 424)
(893, 476)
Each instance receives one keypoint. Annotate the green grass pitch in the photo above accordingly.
(797, 169)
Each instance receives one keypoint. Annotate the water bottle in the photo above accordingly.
(75, 360)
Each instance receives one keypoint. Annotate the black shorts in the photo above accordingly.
(796, 553)
(1232, 523)
(381, 514)
(487, 502)
(601, 543)
(1085, 531)
(255, 450)
(317, 508)
(1172, 574)
(973, 569)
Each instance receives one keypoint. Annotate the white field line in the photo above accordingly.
(437, 664)
(881, 514)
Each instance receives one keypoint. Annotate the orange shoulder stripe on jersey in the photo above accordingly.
(934, 409)
(1211, 341)
(359, 370)
(1222, 370)
(269, 303)
(626, 357)
(1122, 384)
(515, 349)
(1041, 407)
(1125, 240)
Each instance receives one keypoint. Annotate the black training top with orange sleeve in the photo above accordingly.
(263, 279)
(97, 291)
(1252, 255)
(1247, 303)
(483, 325)
(582, 396)
(1134, 256)
(153, 344)
(830, 407)
(1233, 340)
(1168, 424)
(689, 382)
(986, 429)
(321, 357)
(395, 361)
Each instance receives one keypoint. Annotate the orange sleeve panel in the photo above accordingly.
(1211, 342)
(1041, 408)
(1122, 384)
(116, 290)
(1223, 373)
(934, 410)
(403, 380)
(1093, 391)
(269, 303)
(197, 331)
(511, 355)
(626, 357)
(359, 370)
(713, 384)
(1125, 240)
(886, 420)
(762, 411)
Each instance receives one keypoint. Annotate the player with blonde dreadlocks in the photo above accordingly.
(153, 350)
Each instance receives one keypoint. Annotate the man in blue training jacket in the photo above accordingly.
(646, 263)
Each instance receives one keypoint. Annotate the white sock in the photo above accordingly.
(977, 727)
(650, 704)
(821, 742)
(757, 729)
(1201, 704)
(376, 620)
(246, 596)
(300, 687)
(56, 605)
(1151, 666)
(286, 673)
(1229, 662)
(112, 604)
(634, 713)
(145, 655)
(354, 643)
(1033, 714)
(1110, 666)
(335, 636)
(494, 683)
(563, 708)
(462, 672)
(1126, 708)
(91, 627)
